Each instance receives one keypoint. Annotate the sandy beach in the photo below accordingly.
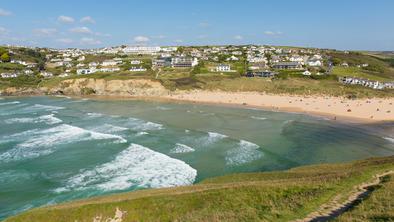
(359, 110)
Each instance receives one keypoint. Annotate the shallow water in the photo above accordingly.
(58, 149)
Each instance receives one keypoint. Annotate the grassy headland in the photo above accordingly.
(273, 196)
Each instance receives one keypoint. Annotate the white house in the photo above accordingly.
(109, 69)
(9, 75)
(46, 74)
(232, 58)
(314, 63)
(223, 68)
(86, 71)
(135, 62)
(137, 69)
(109, 63)
(307, 73)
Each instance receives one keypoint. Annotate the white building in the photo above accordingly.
(137, 69)
(109, 63)
(144, 50)
(307, 73)
(135, 62)
(223, 68)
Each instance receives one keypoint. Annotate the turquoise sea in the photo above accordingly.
(56, 149)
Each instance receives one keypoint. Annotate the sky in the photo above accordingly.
(337, 24)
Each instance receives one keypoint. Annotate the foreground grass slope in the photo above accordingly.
(273, 196)
(379, 206)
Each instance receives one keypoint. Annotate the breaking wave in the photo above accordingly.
(141, 125)
(389, 139)
(108, 128)
(245, 152)
(48, 119)
(136, 166)
(258, 118)
(39, 107)
(44, 142)
(9, 103)
(182, 148)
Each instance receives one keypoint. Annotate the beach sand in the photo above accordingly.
(336, 108)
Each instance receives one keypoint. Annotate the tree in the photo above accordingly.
(5, 57)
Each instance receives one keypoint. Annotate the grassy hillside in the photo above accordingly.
(379, 206)
(274, 196)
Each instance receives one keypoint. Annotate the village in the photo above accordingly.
(235, 61)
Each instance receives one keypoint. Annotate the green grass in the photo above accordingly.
(357, 72)
(273, 196)
(378, 206)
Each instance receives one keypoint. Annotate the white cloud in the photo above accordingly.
(65, 19)
(90, 41)
(5, 12)
(65, 41)
(88, 19)
(44, 31)
(3, 31)
(179, 41)
(81, 30)
(141, 39)
(238, 37)
(272, 33)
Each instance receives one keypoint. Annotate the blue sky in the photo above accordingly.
(340, 24)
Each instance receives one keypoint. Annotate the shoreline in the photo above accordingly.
(361, 109)
(374, 110)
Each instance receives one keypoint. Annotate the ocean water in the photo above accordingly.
(56, 149)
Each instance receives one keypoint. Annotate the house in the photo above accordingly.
(137, 69)
(86, 71)
(306, 73)
(28, 72)
(223, 68)
(63, 75)
(265, 74)
(184, 62)
(135, 62)
(143, 50)
(9, 75)
(109, 69)
(161, 62)
(109, 63)
(93, 64)
(287, 65)
(46, 74)
(314, 63)
(258, 66)
(232, 58)
(81, 59)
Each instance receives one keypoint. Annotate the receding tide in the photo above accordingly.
(58, 149)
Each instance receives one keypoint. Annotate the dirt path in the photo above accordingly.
(334, 208)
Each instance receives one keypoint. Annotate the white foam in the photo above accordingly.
(246, 152)
(94, 115)
(140, 125)
(142, 133)
(44, 142)
(9, 103)
(258, 118)
(389, 139)
(38, 107)
(213, 136)
(48, 119)
(182, 148)
(108, 128)
(136, 166)
(163, 108)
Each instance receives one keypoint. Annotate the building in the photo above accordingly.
(287, 65)
(143, 50)
(184, 62)
(135, 62)
(137, 69)
(161, 62)
(9, 75)
(265, 74)
(223, 68)
(86, 71)
(109, 63)
(307, 73)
